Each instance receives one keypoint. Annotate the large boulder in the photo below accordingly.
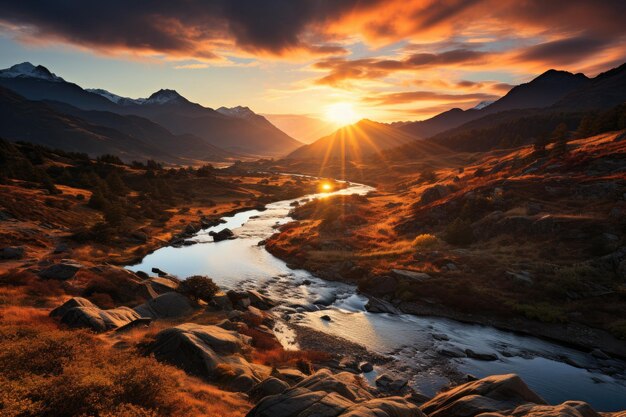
(492, 394)
(269, 386)
(210, 352)
(326, 395)
(259, 300)
(64, 270)
(223, 234)
(69, 304)
(567, 409)
(168, 305)
(79, 312)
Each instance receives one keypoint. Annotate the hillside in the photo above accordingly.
(164, 107)
(355, 142)
(543, 91)
(97, 133)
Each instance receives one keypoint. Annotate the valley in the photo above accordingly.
(404, 226)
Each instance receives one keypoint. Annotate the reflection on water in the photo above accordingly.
(409, 339)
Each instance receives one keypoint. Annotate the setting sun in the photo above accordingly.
(326, 187)
(341, 114)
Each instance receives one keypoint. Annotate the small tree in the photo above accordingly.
(198, 287)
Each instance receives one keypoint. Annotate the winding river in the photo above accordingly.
(415, 343)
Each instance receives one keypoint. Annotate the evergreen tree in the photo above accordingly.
(559, 137)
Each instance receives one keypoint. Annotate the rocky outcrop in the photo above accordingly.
(223, 234)
(168, 305)
(269, 386)
(567, 409)
(80, 312)
(492, 394)
(64, 270)
(210, 352)
(326, 395)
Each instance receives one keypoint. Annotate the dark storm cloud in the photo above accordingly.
(371, 68)
(563, 51)
(174, 27)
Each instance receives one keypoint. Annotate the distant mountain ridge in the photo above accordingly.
(543, 91)
(250, 135)
(354, 142)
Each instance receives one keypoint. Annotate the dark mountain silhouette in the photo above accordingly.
(185, 146)
(604, 91)
(543, 91)
(354, 142)
(93, 133)
(165, 107)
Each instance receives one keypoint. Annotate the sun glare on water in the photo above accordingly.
(326, 187)
(341, 114)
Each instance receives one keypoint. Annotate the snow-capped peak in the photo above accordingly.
(240, 112)
(28, 70)
(164, 96)
(483, 104)
(108, 95)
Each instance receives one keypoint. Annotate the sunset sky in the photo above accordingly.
(388, 60)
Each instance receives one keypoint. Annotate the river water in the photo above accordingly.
(555, 372)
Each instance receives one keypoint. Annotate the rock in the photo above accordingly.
(440, 336)
(80, 312)
(209, 352)
(376, 305)
(326, 317)
(141, 322)
(191, 229)
(159, 272)
(492, 394)
(258, 300)
(168, 305)
(411, 275)
(451, 351)
(597, 353)
(379, 285)
(161, 285)
(567, 409)
(12, 252)
(390, 384)
(239, 300)
(140, 236)
(269, 386)
(222, 235)
(481, 356)
(290, 375)
(69, 304)
(366, 367)
(306, 282)
(234, 315)
(325, 395)
(222, 302)
(434, 193)
(63, 271)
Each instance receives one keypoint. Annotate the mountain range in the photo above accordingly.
(41, 107)
(537, 106)
(192, 129)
